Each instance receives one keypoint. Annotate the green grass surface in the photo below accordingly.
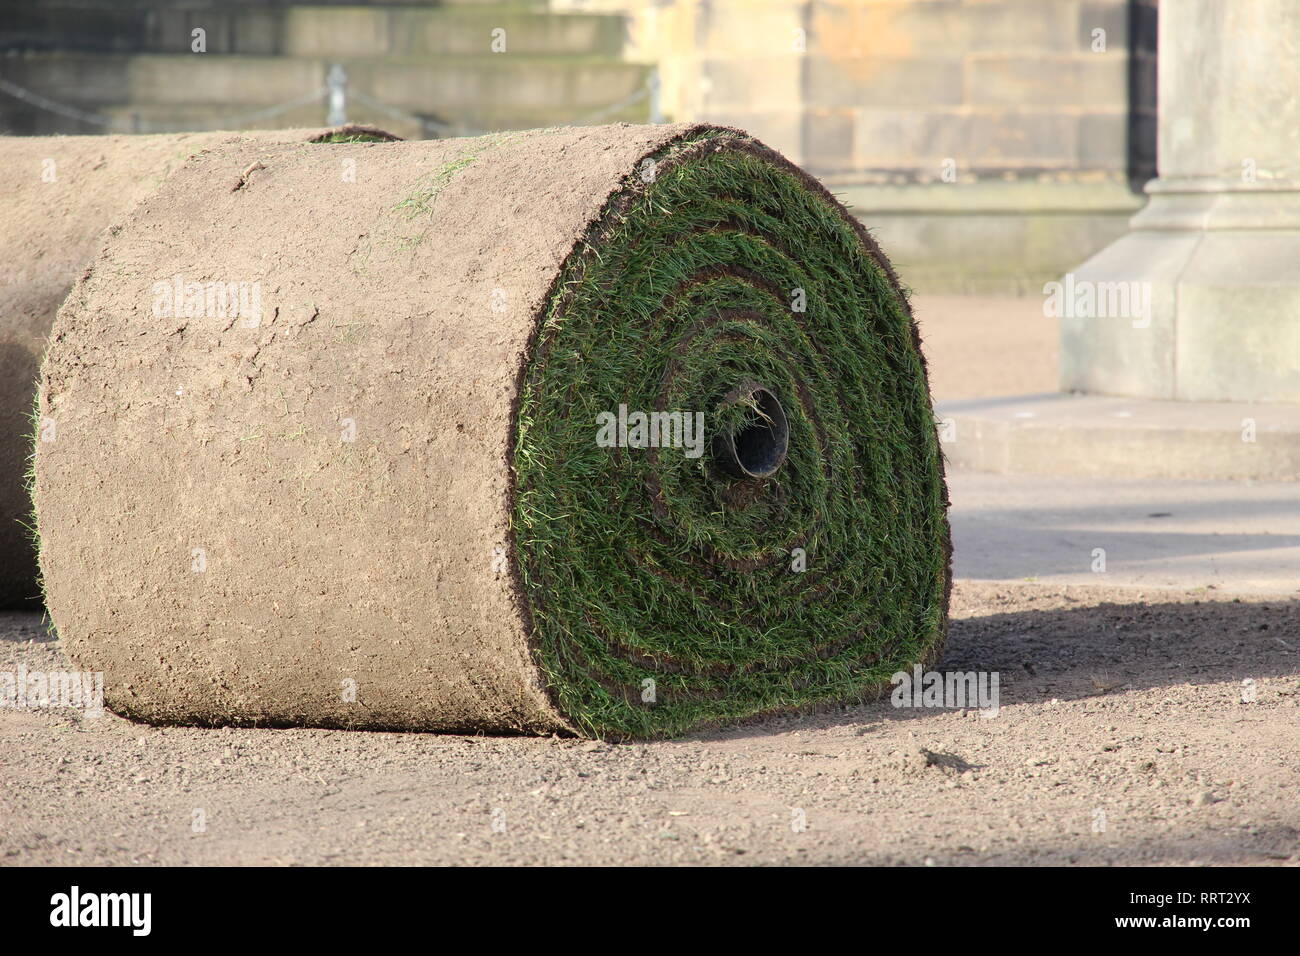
(30, 524)
(354, 137)
(647, 565)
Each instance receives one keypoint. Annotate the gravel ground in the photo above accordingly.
(1122, 738)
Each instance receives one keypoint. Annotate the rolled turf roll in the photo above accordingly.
(416, 493)
(60, 194)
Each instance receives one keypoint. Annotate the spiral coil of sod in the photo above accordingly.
(393, 479)
(665, 592)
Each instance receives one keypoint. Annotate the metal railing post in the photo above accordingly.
(656, 110)
(337, 83)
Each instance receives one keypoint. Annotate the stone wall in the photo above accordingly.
(893, 88)
(992, 143)
(131, 64)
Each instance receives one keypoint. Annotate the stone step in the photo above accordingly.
(154, 118)
(1233, 536)
(1099, 436)
(451, 85)
(311, 30)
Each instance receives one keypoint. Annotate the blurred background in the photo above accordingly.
(1043, 109)
(993, 147)
(1121, 459)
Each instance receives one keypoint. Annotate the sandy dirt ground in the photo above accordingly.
(1133, 728)
(1156, 726)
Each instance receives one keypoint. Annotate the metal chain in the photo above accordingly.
(438, 127)
(102, 119)
(234, 121)
(17, 92)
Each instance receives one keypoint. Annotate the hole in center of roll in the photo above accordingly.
(756, 448)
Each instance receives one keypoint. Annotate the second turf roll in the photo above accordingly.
(616, 430)
(60, 194)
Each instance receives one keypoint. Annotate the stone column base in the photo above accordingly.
(1199, 302)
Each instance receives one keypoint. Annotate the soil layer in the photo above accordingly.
(326, 441)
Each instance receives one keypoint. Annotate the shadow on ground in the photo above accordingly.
(1076, 642)
(1097, 643)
